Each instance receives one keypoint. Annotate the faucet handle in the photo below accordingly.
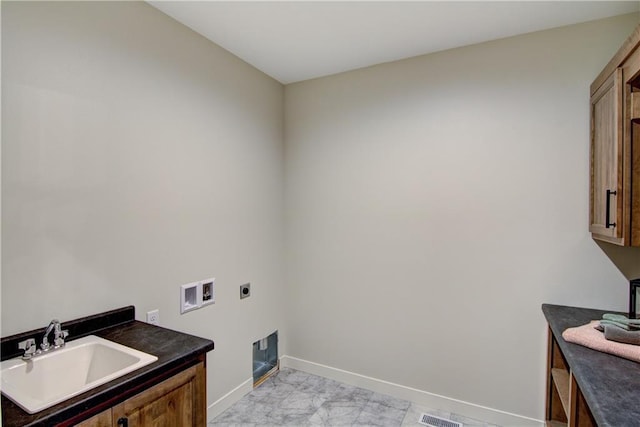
(27, 344)
(29, 347)
(58, 341)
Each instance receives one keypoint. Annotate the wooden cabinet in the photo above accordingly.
(615, 149)
(607, 192)
(177, 401)
(103, 419)
(565, 405)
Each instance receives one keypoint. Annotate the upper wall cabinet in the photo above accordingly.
(615, 148)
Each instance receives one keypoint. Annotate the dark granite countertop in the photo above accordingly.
(176, 351)
(610, 384)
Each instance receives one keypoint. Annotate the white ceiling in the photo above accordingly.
(299, 40)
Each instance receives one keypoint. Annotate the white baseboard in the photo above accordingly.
(222, 404)
(419, 397)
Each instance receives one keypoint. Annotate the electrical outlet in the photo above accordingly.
(245, 290)
(153, 317)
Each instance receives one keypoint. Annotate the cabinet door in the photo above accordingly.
(607, 196)
(177, 401)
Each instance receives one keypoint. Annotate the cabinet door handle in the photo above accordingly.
(608, 214)
(124, 422)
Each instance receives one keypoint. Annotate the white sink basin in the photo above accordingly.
(81, 365)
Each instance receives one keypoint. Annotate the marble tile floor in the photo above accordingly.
(296, 398)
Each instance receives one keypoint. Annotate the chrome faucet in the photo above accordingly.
(29, 345)
(58, 336)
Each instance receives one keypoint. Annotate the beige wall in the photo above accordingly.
(433, 204)
(137, 156)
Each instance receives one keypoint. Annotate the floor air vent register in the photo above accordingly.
(433, 421)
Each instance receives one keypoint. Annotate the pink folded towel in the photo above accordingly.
(588, 336)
